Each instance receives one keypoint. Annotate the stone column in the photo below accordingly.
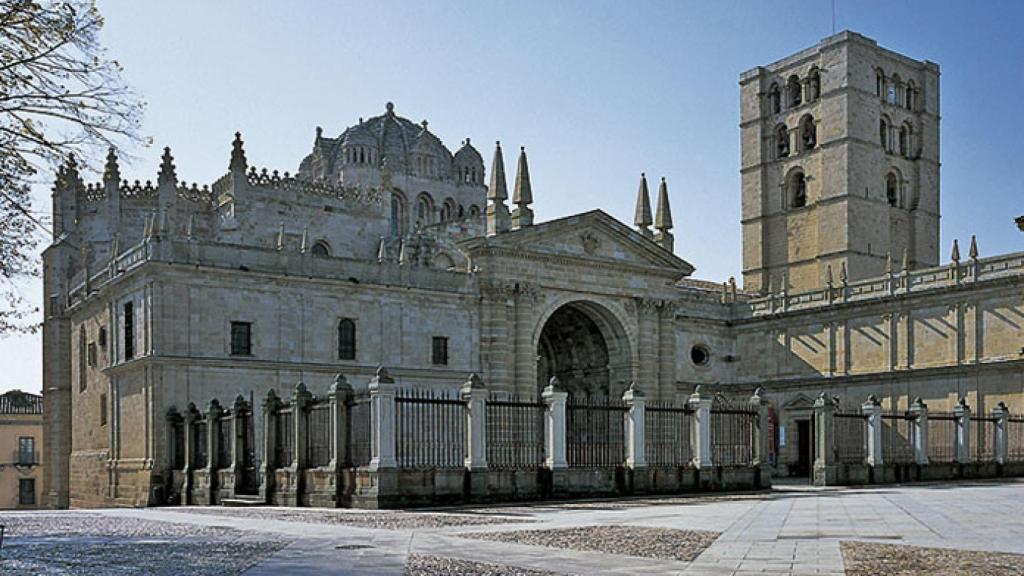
(213, 414)
(340, 396)
(872, 410)
(761, 439)
(474, 394)
(300, 423)
(700, 433)
(191, 415)
(636, 442)
(269, 461)
(919, 430)
(824, 452)
(963, 431)
(1002, 415)
(554, 425)
(382, 408)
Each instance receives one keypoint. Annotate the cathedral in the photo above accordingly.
(387, 249)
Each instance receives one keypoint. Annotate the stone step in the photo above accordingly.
(242, 501)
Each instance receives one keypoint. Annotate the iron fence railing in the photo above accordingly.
(667, 435)
(515, 434)
(430, 429)
(595, 433)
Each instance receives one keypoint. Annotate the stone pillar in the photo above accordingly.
(919, 431)
(761, 439)
(636, 442)
(300, 423)
(382, 408)
(213, 414)
(340, 396)
(872, 410)
(269, 461)
(191, 415)
(474, 394)
(824, 452)
(700, 433)
(1002, 415)
(554, 425)
(963, 431)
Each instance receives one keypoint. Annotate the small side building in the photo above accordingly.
(21, 445)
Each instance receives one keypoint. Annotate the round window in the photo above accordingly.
(700, 355)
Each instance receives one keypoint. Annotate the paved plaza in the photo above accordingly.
(975, 528)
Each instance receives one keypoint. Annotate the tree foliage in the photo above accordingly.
(59, 95)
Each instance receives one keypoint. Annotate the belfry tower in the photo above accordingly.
(839, 164)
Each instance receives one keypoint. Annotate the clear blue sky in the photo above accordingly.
(597, 92)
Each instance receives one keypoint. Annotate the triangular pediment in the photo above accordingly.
(588, 236)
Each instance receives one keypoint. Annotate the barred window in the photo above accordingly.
(241, 338)
(92, 354)
(440, 351)
(346, 339)
(26, 450)
(129, 330)
(27, 491)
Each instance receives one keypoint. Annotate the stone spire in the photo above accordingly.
(642, 219)
(973, 252)
(497, 212)
(522, 194)
(112, 187)
(955, 256)
(663, 219)
(167, 173)
(238, 161)
(111, 170)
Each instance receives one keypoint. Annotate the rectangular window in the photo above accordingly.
(26, 450)
(346, 339)
(103, 409)
(92, 354)
(27, 491)
(129, 331)
(241, 338)
(440, 351)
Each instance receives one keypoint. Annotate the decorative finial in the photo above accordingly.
(906, 260)
(167, 175)
(642, 216)
(424, 124)
(828, 275)
(973, 251)
(888, 262)
(305, 240)
(390, 107)
(663, 217)
(522, 194)
(955, 256)
(111, 171)
(319, 132)
(843, 276)
(498, 190)
(238, 161)
(280, 236)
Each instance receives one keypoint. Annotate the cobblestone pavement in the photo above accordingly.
(788, 531)
(626, 540)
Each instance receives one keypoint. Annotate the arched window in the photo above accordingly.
(474, 211)
(320, 249)
(781, 141)
(397, 215)
(346, 339)
(908, 96)
(774, 99)
(904, 141)
(892, 95)
(424, 209)
(798, 190)
(892, 189)
(814, 85)
(795, 92)
(808, 133)
(448, 210)
(883, 133)
(879, 83)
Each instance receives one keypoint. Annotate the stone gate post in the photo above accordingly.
(700, 433)
(382, 407)
(191, 415)
(872, 410)
(636, 441)
(269, 461)
(919, 429)
(300, 422)
(824, 449)
(963, 431)
(554, 425)
(1002, 415)
(474, 394)
(213, 414)
(760, 447)
(340, 395)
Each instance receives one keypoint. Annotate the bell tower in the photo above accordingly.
(839, 165)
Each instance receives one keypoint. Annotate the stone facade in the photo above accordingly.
(21, 450)
(386, 249)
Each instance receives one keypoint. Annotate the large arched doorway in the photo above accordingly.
(586, 348)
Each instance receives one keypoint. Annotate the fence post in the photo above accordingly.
(824, 449)
(1002, 415)
(382, 410)
(237, 443)
(267, 464)
(919, 412)
(554, 425)
(191, 415)
(340, 395)
(872, 410)
(700, 434)
(474, 394)
(636, 441)
(963, 431)
(760, 447)
(213, 414)
(300, 422)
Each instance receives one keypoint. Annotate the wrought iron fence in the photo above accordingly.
(1015, 438)
(430, 429)
(225, 432)
(667, 435)
(515, 434)
(897, 438)
(284, 441)
(319, 434)
(595, 433)
(849, 436)
(983, 438)
(732, 433)
(941, 437)
(359, 437)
